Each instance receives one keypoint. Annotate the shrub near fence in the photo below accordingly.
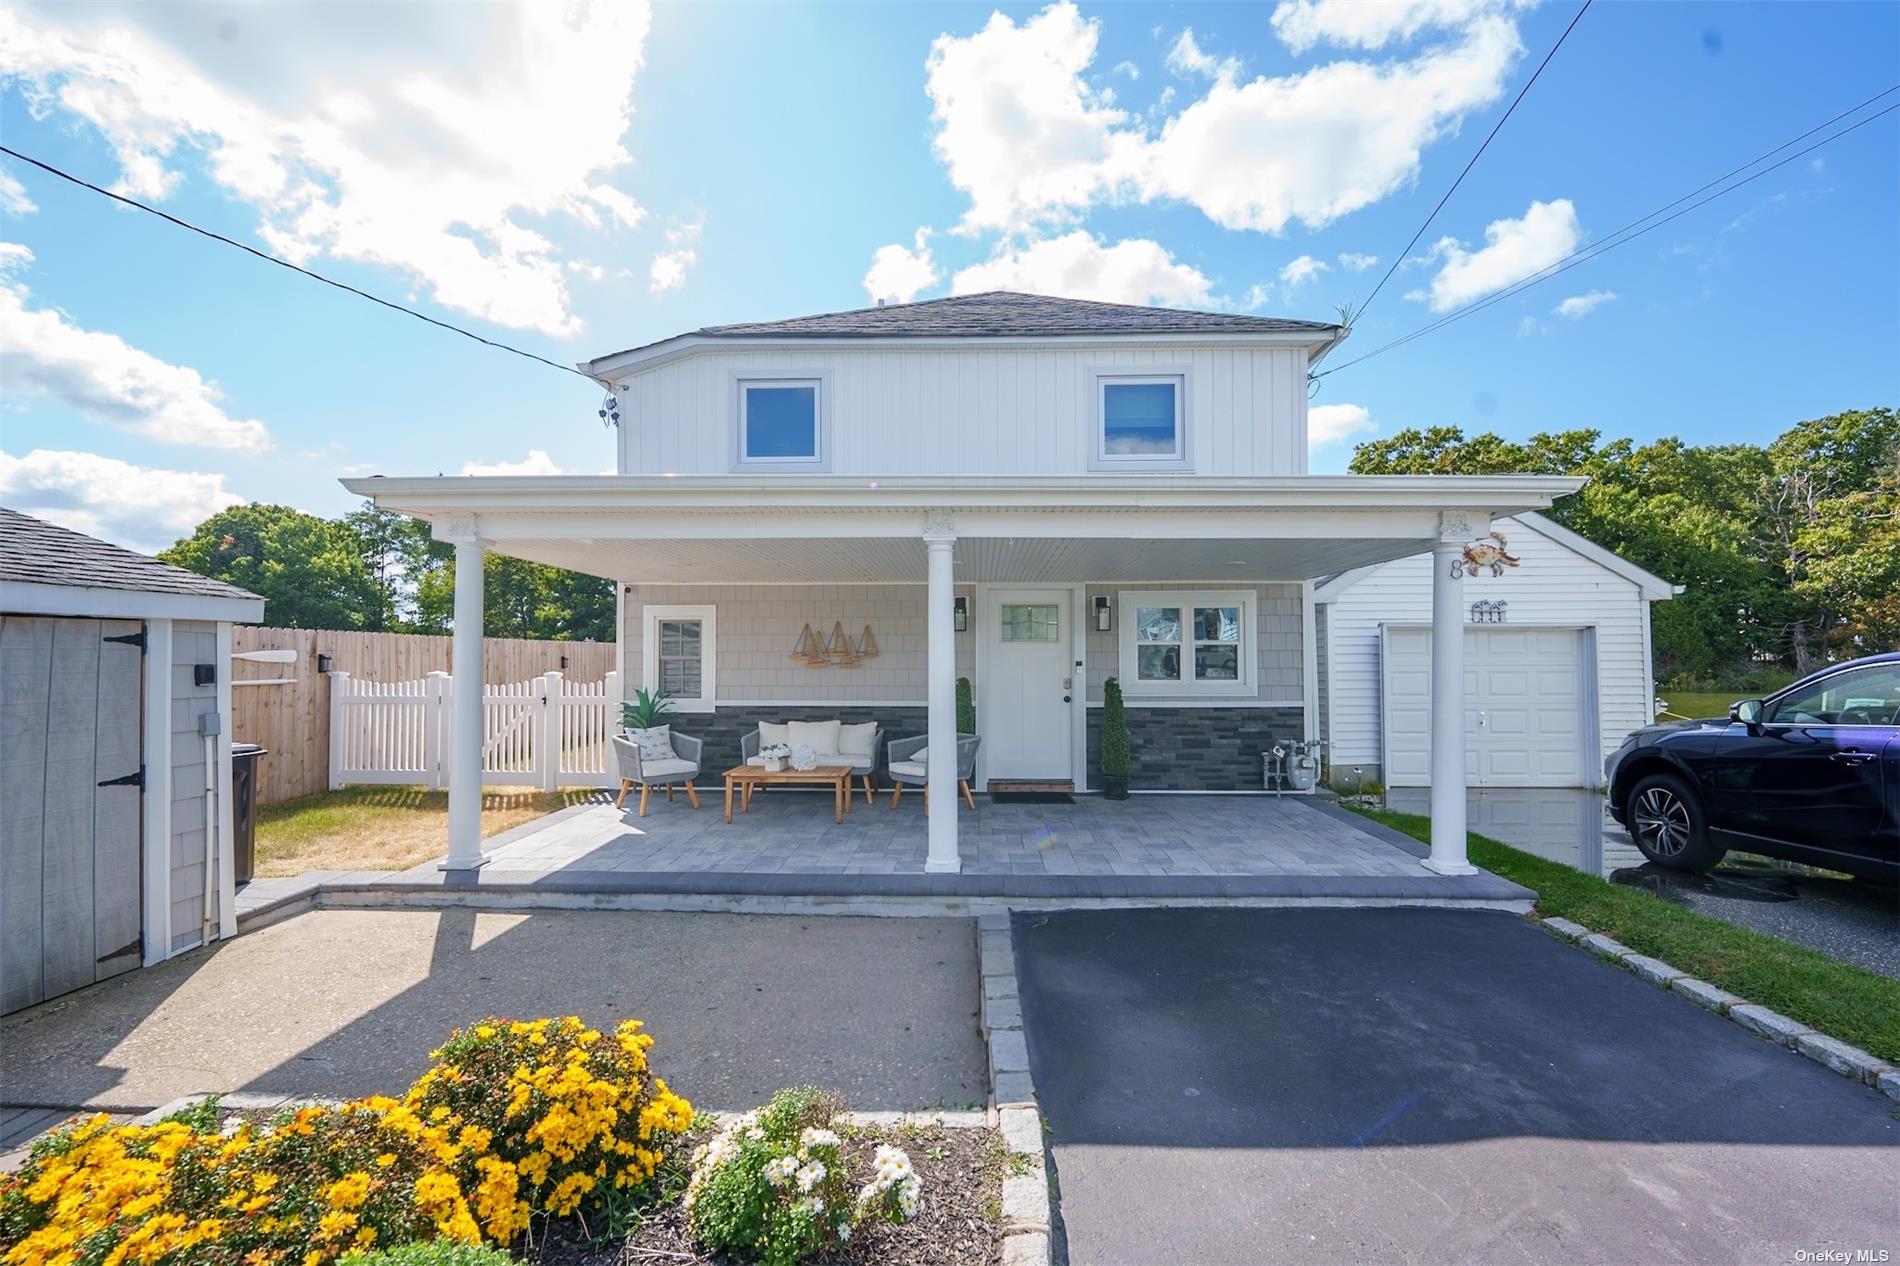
(290, 716)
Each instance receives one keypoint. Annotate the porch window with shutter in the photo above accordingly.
(1187, 643)
(679, 644)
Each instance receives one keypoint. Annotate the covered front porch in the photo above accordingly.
(1155, 847)
(1226, 549)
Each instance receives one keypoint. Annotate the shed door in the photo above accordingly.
(70, 861)
(1527, 708)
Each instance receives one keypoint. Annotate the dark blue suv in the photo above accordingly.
(1810, 774)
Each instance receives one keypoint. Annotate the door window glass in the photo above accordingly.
(1029, 622)
(1862, 696)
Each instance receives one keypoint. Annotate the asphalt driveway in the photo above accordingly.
(1257, 1086)
(350, 1002)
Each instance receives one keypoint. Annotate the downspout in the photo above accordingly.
(209, 725)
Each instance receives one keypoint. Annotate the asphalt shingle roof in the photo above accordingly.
(1009, 314)
(34, 551)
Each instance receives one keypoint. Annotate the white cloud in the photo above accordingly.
(13, 197)
(536, 462)
(1359, 24)
(44, 353)
(1022, 133)
(1582, 305)
(1258, 296)
(136, 506)
(1187, 58)
(1303, 270)
(1529, 325)
(899, 272)
(1126, 68)
(1353, 261)
(670, 266)
(423, 140)
(1336, 423)
(1080, 265)
(1513, 250)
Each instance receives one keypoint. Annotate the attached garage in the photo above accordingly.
(115, 806)
(1557, 663)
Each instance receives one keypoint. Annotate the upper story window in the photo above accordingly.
(781, 422)
(1141, 422)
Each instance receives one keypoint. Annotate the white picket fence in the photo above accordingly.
(548, 732)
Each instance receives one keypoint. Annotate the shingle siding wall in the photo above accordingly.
(193, 642)
(759, 627)
(1196, 749)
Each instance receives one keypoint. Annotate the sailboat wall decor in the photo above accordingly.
(836, 651)
(843, 654)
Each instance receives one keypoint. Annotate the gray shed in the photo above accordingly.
(115, 759)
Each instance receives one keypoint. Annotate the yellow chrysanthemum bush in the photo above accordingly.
(513, 1119)
(563, 1115)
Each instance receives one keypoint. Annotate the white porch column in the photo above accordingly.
(465, 707)
(941, 675)
(1448, 698)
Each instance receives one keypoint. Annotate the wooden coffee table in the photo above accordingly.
(744, 778)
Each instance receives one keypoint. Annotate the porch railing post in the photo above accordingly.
(941, 674)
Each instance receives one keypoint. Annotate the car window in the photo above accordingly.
(1861, 696)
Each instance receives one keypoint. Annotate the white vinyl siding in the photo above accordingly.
(1553, 588)
(981, 410)
(193, 642)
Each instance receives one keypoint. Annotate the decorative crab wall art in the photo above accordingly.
(1482, 554)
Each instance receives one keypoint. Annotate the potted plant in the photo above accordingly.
(1115, 755)
(966, 707)
(773, 755)
(649, 710)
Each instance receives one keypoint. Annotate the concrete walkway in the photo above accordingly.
(1423, 1086)
(350, 1002)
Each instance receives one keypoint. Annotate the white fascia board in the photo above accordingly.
(464, 495)
(1654, 587)
(617, 366)
(29, 598)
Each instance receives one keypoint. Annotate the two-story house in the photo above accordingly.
(1036, 494)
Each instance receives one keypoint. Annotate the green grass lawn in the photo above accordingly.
(1851, 1003)
(1695, 705)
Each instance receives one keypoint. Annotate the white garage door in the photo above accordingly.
(1528, 713)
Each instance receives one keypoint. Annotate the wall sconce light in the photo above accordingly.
(963, 614)
(325, 662)
(1104, 613)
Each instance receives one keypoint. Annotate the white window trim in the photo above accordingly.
(707, 615)
(1100, 458)
(818, 379)
(1246, 599)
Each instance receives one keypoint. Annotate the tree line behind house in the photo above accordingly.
(1790, 552)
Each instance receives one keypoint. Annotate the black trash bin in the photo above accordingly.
(244, 757)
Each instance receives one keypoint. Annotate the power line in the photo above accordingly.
(1625, 235)
(1495, 129)
(284, 263)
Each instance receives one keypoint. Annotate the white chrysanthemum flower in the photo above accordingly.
(814, 1136)
(810, 1175)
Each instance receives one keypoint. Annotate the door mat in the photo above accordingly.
(1031, 797)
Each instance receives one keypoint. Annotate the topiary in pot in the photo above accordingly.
(1116, 760)
(966, 707)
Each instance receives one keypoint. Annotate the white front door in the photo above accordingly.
(1026, 669)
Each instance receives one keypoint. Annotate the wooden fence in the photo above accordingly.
(286, 707)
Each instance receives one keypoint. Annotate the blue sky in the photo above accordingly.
(577, 180)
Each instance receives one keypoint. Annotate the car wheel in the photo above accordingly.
(1667, 823)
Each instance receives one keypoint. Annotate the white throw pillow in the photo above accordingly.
(771, 732)
(654, 744)
(820, 736)
(855, 740)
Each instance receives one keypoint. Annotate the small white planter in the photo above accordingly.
(772, 764)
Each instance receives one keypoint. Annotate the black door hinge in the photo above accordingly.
(130, 639)
(134, 779)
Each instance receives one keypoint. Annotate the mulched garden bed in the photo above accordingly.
(959, 1221)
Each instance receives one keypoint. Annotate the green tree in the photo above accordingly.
(310, 571)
